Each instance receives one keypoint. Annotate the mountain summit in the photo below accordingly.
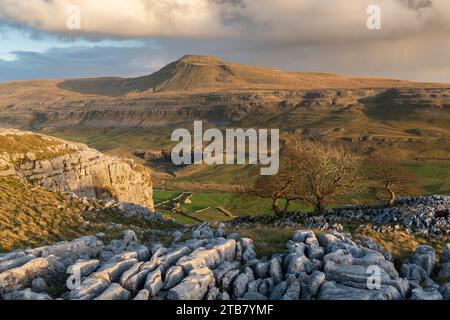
(208, 74)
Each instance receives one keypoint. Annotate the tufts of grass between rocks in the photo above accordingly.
(270, 239)
(31, 216)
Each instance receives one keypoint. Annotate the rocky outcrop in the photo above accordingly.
(63, 166)
(428, 215)
(328, 266)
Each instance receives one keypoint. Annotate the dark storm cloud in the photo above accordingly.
(416, 4)
(322, 35)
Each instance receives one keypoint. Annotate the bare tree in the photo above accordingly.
(278, 187)
(310, 172)
(387, 170)
(325, 172)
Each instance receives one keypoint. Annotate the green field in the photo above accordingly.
(161, 196)
(434, 178)
(209, 203)
(214, 187)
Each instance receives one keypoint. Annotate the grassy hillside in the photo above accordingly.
(30, 216)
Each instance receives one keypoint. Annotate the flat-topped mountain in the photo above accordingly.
(194, 73)
(206, 87)
(207, 73)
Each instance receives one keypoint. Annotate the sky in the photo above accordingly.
(61, 39)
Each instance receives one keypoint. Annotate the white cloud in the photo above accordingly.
(314, 35)
(121, 18)
(285, 20)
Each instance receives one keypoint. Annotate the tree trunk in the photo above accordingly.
(286, 206)
(392, 196)
(319, 207)
(278, 212)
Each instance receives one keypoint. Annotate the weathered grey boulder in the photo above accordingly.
(445, 270)
(129, 238)
(27, 294)
(276, 272)
(224, 296)
(20, 277)
(89, 289)
(254, 285)
(314, 265)
(339, 257)
(113, 271)
(83, 267)
(115, 292)
(203, 232)
(157, 251)
(445, 257)
(296, 263)
(194, 244)
(312, 285)
(170, 258)
(425, 257)
(173, 277)
(335, 241)
(262, 270)
(19, 260)
(413, 272)
(426, 294)
(358, 276)
(228, 279)
(225, 248)
(223, 269)
(220, 233)
(241, 283)
(329, 290)
(266, 286)
(248, 251)
(154, 282)
(213, 294)
(39, 285)
(234, 235)
(11, 255)
(142, 252)
(81, 248)
(368, 258)
(239, 251)
(125, 255)
(445, 291)
(254, 296)
(200, 258)
(315, 252)
(279, 291)
(293, 291)
(302, 235)
(142, 295)
(296, 247)
(134, 278)
(194, 286)
(177, 236)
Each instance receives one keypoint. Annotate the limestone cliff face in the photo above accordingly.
(59, 165)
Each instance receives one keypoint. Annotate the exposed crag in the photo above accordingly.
(59, 165)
